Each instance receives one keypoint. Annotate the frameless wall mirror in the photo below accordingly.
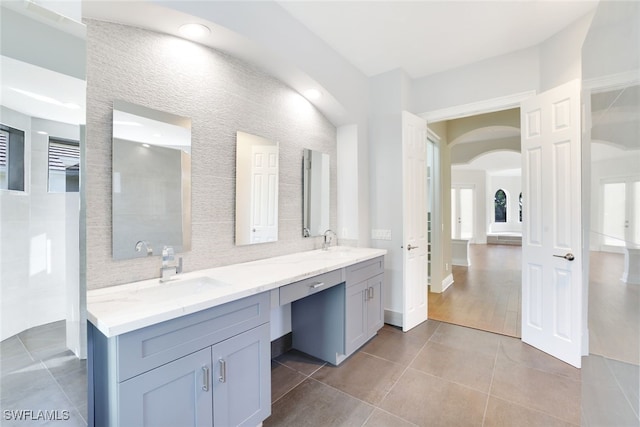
(257, 167)
(151, 181)
(315, 193)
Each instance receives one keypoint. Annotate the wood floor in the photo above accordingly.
(487, 294)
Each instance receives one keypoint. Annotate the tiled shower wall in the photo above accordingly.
(221, 95)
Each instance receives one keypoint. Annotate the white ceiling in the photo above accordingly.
(39, 92)
(427, 37)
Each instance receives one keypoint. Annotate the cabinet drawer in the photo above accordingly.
(310, 286)
(364, 270)
(147, 348)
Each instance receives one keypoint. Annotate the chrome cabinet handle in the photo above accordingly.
(409, 247)
(569, 256)
(205, 378)
(370, 292)
(223, 371)
(317, 285)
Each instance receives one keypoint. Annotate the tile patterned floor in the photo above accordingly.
(437, 374)
(39, 373)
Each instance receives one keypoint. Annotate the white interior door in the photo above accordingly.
(264, 190)
(414, 208)
(462, 213)
(552, 285)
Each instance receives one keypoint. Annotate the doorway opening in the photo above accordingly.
(485, 224)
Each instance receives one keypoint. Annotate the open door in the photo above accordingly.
(414, 208)
(552, 288)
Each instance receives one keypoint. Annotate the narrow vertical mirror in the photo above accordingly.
(315, 193)
(256, 189)
(151, 181)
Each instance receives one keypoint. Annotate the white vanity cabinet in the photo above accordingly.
(209, 368)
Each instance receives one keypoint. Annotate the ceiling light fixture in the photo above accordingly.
(194, 31)
(312, 94)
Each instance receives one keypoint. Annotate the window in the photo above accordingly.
(64, 166)
(500, 204)
(11, 158)
(520, 206)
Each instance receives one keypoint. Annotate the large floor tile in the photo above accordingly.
(363, 376)
(460, 337)
(300, 362)
(628, 378)
(394, 347)
(384, 419)
(516, 351)
(542, 391)
(45, 341)
(30, 377)
(315, 404)
(283, 380)
(423, 332)
(603, 401)
(460, 366)
(501, 413)
(12, 347)
(426, 400)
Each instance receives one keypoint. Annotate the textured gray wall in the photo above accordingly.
(221, 95)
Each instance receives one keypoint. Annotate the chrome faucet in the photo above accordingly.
(169, 269)
(146, 245)
(328, 238)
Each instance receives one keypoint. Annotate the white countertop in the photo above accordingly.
(119, 309)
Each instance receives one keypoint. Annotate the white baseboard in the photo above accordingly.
(448, 281)
(393, 318)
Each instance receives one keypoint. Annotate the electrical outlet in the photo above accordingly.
(446, 266)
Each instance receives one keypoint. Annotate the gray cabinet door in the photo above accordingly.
(242, 379)
(175, 394)
(375, 308)
(356, 317)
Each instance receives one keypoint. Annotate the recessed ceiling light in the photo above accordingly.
(312, 94)
(194, 31)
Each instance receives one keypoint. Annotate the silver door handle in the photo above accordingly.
(409, 247)
(370, 292)
(205, 378)
(223, 371)
(316, 285)
(569, 256)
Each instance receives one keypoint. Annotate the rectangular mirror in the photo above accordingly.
(151, 181)
(256, 189)
(316, 200)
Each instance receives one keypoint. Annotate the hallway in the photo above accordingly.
(487, 294)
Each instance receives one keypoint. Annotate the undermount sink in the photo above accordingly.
(339, 250)
(177, 288)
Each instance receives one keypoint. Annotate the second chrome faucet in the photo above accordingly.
(169, 268)
(327, 239)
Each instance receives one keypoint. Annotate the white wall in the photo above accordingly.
(476, 179)
(389, 98)
(36, 228)
(307, 61)
(561, 54)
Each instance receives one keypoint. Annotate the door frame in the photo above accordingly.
(503, 103)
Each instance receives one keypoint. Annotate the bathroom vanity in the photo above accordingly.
(196, 350)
